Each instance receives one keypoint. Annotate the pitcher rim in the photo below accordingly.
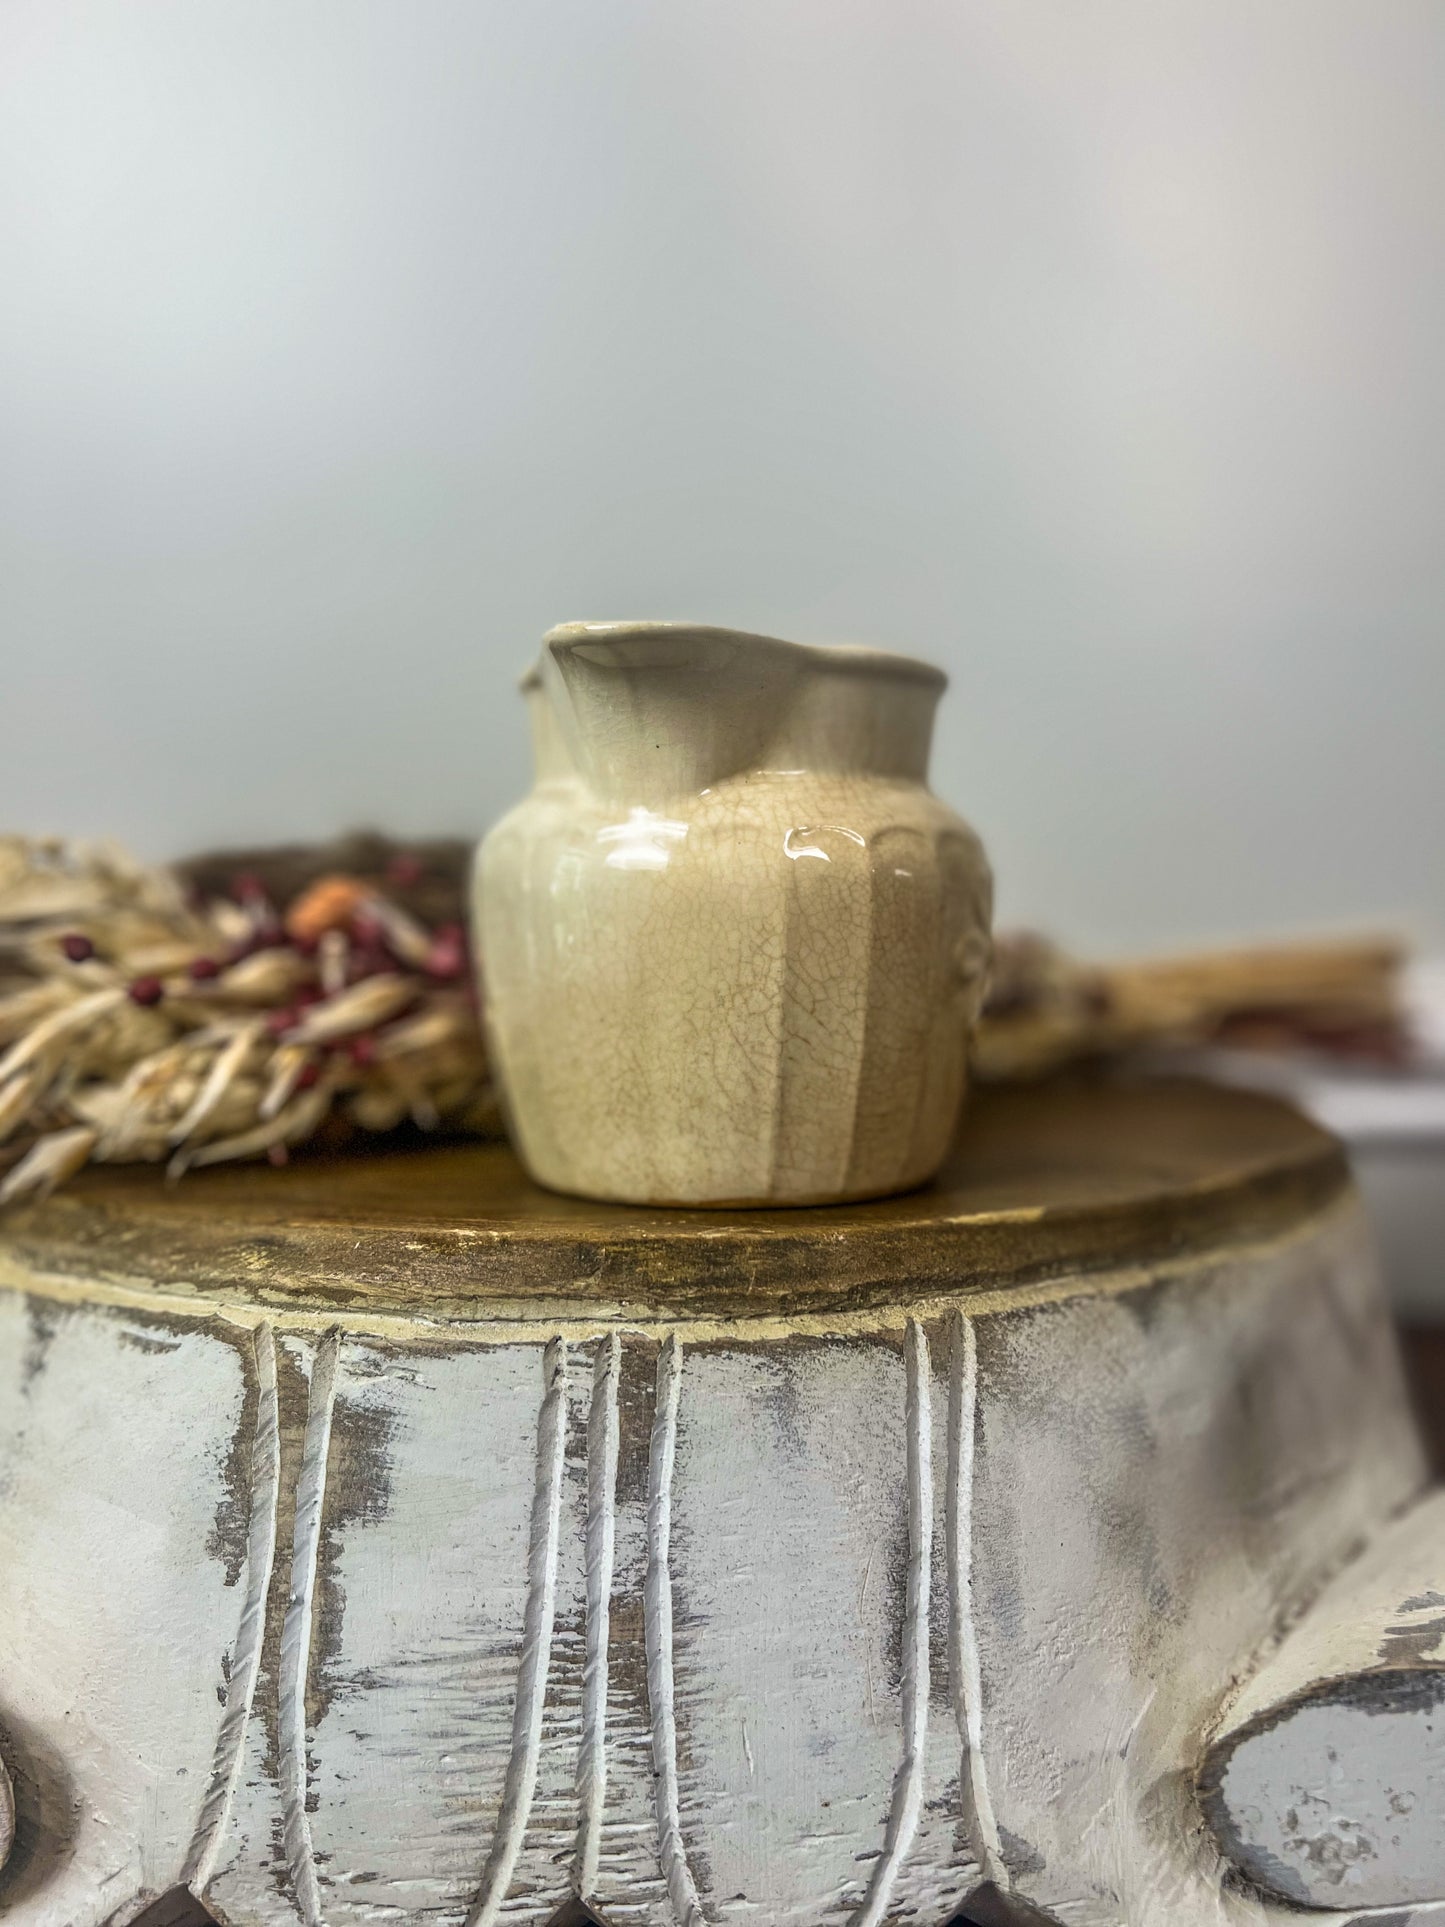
(838, 655)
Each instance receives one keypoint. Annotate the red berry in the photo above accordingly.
(448, 954)
(309, 1075)
(404, 869)
(278, 1022)
(369, 960)
(203, 969)
(247, 887)
(146, 991)
(362, 1050)
(77, 947)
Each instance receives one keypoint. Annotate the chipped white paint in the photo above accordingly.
(711, 1645)
(1326, 1783)
(121, 1594)
(421, 1612)
(245, 1669)
(965, 1674)
(940, 1871)
(602, 1443)
(296, 1631)
(521, 1781)
(1384, 1609)
(657, 1617)
(907, 1802)
(790, 1508)
(1342, 1805)
(1160, 1478)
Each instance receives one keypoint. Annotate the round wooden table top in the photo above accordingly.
(1044, 1181)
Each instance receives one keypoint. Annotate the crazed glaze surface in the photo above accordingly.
(734, 946)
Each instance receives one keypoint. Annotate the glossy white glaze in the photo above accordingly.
(734, 946)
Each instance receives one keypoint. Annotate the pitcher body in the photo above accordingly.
(733, 946)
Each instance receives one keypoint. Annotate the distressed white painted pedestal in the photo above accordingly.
(392, 1542)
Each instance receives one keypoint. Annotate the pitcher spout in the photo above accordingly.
(658, 709)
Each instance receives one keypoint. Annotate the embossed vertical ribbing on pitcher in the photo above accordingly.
(733, 944)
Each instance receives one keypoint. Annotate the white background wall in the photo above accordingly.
(1093, 349)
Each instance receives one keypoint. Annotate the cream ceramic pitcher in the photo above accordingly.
(733, 946)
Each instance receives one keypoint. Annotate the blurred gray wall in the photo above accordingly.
(1095, 350)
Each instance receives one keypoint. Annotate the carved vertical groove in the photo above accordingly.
(296, 1628)
(215, 1813)
(521, 1780)
(965, 1670)
(602, 1445)
(907, 1802)
(657, 1623)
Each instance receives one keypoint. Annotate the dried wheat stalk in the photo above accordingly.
(1046, 1010)
(140, 1022)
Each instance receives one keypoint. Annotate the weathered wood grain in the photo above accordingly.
(536, 1651)
(1044, 1191)
(1327, 1781)
(657, 1622)
(601, 1543)
(818, 1619)
(906, 1804)
(123, 1514)
(296, 1630)
(245, 1664)
(965, 1666)
(7, 1814)
(1156, 1490)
